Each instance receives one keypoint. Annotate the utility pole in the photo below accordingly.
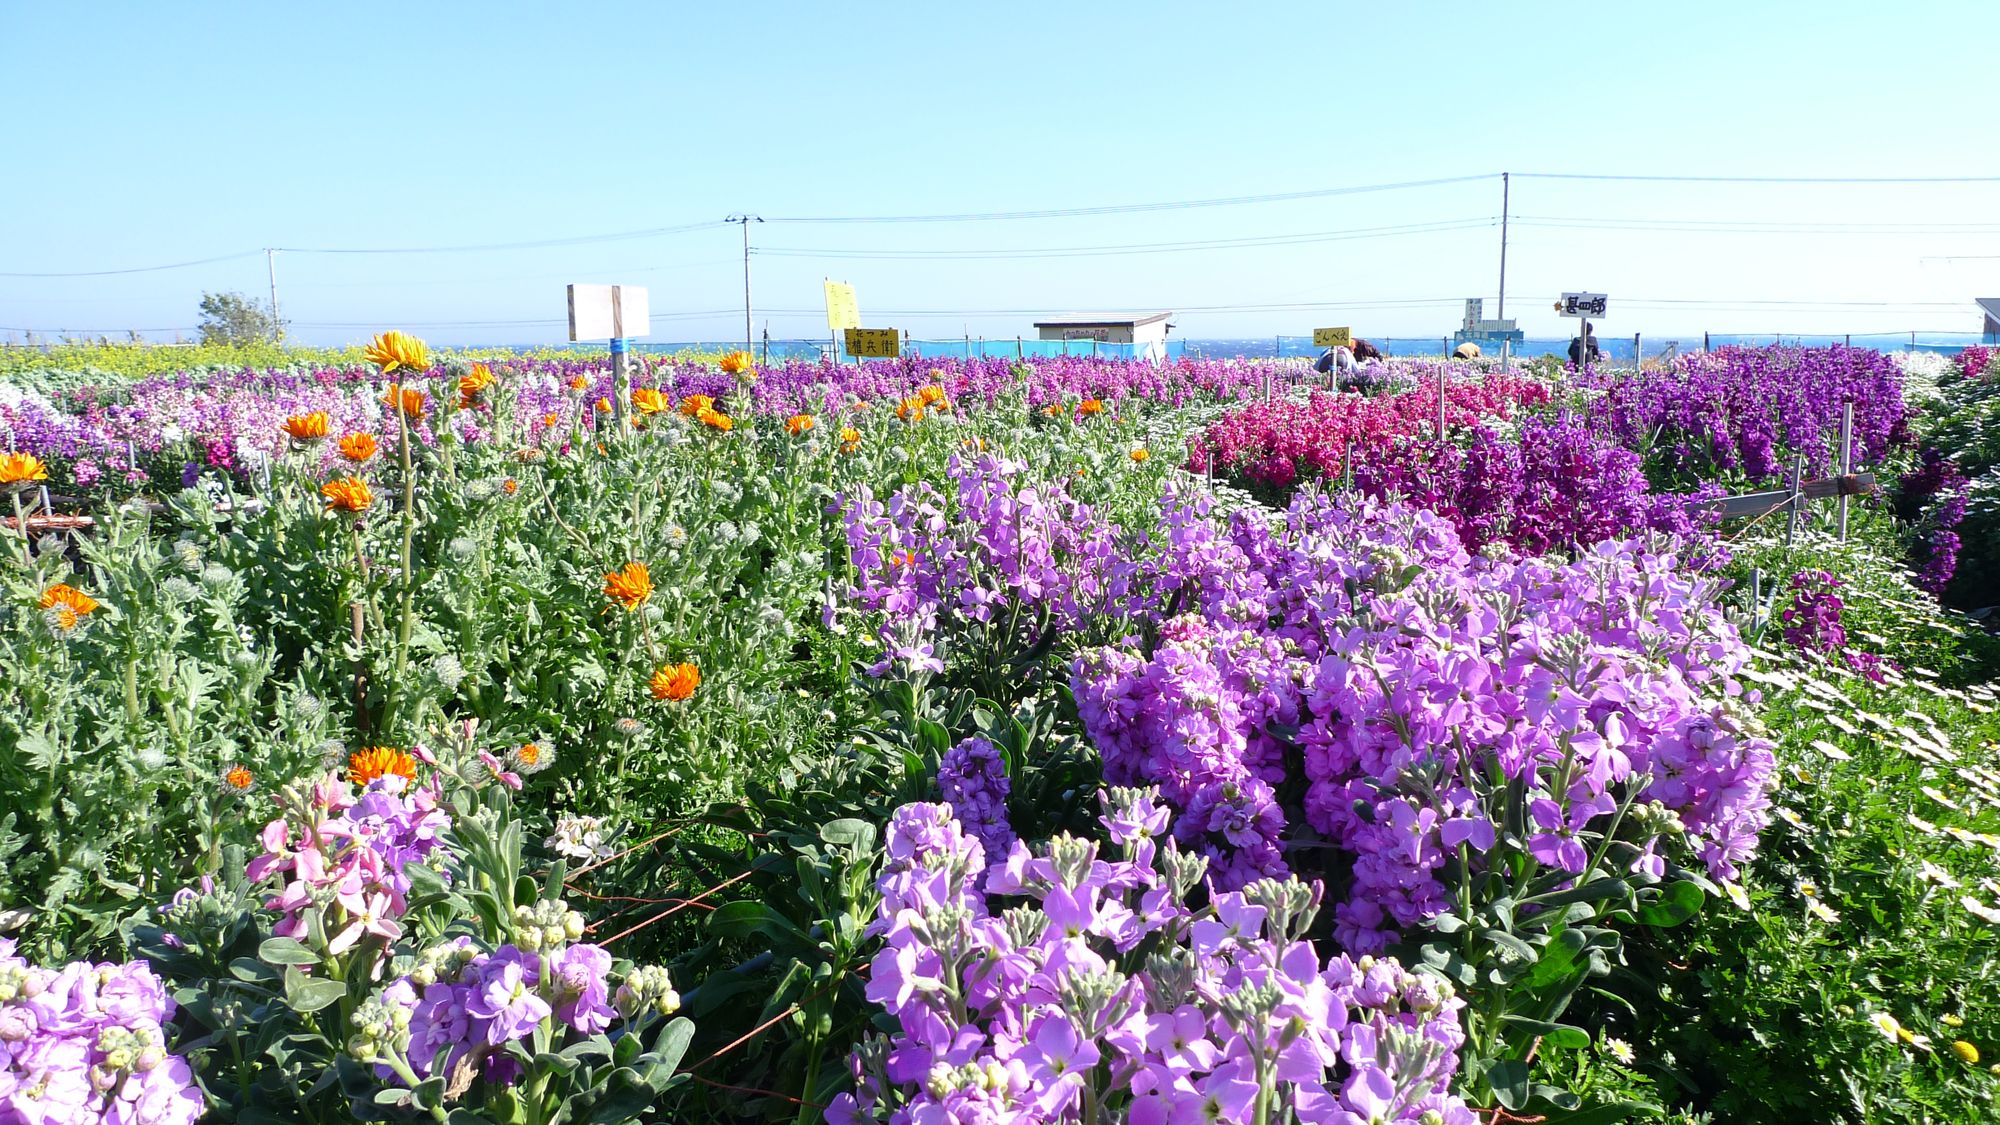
(277, 322)
(1506, 345)
(744, 221)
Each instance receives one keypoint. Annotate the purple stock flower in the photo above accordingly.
(973, 776)
(503, 997)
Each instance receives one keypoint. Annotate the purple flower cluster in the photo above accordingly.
(344, 857)
(1062, 986)
(1976, 360)
(1812, 621)
(1931, 499)
(1741, 409)
(1020, 563)
(973, 777)
(1812, 624)
(1409, 674)
(463, 1009)
(85, 1044)
(1555, 485)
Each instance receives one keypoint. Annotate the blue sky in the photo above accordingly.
(145, 134)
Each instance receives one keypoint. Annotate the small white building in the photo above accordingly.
(1146, 332)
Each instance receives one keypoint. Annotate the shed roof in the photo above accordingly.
(1102, 320)
(1989, 305)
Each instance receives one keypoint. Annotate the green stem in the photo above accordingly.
(409, 540)
(21, 525)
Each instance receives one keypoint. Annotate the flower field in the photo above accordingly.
(396, 736)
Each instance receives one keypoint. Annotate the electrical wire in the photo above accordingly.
(578, 240)
(1131, 208)
(1758, 179)
(143, 269)
(1132, 247)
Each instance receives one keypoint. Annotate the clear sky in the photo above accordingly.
(141, 134)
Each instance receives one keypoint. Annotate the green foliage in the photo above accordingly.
(233, 320)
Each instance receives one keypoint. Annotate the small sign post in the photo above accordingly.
(1333, 337)
(1583, 306)
(842, 311)
(614, 313)
(874, 343)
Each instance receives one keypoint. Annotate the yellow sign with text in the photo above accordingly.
(1333, 337)
(874, 343)
(841, 309)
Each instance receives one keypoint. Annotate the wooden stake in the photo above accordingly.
(1846, 461)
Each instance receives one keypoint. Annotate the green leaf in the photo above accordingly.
(1509, 1079)
(309, 995)
(1677, 903)
(1558, 961)
(1560, 1035)
(849, 832)
(286, 951)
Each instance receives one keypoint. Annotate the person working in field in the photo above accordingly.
(1337, 361)
(1583, 349)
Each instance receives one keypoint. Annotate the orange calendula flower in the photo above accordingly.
(715, 419)
(364, 766)
(693, 405)
(391, 350)
(630, 586)
(510, 486)
(736, 363)
(604, 405)
(358, 447)
(409, 399)
(19, 470)
(64, 597)
(1140, 455)
(646, 400)
(911, 409)
(551, 418)
(308, 427)
(1090, 406)
(578, 382)
(933, 395)
(470, 385)
(347, 494)
(239, 778)
(850, 439)
(675, 682)
(799, 424)
(1053, 409)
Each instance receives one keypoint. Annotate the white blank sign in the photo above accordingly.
(608, 312)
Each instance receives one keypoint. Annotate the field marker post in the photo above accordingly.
(1846, 461)
(1797, 500)
(1443, 369)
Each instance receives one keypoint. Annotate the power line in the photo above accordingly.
(1761, 179)
(1728, 226)
(1135, 247)
(143, 269)
(577, 240)
(1129, 208)
(1132, 248)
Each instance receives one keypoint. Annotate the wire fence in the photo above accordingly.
(1638, 348)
